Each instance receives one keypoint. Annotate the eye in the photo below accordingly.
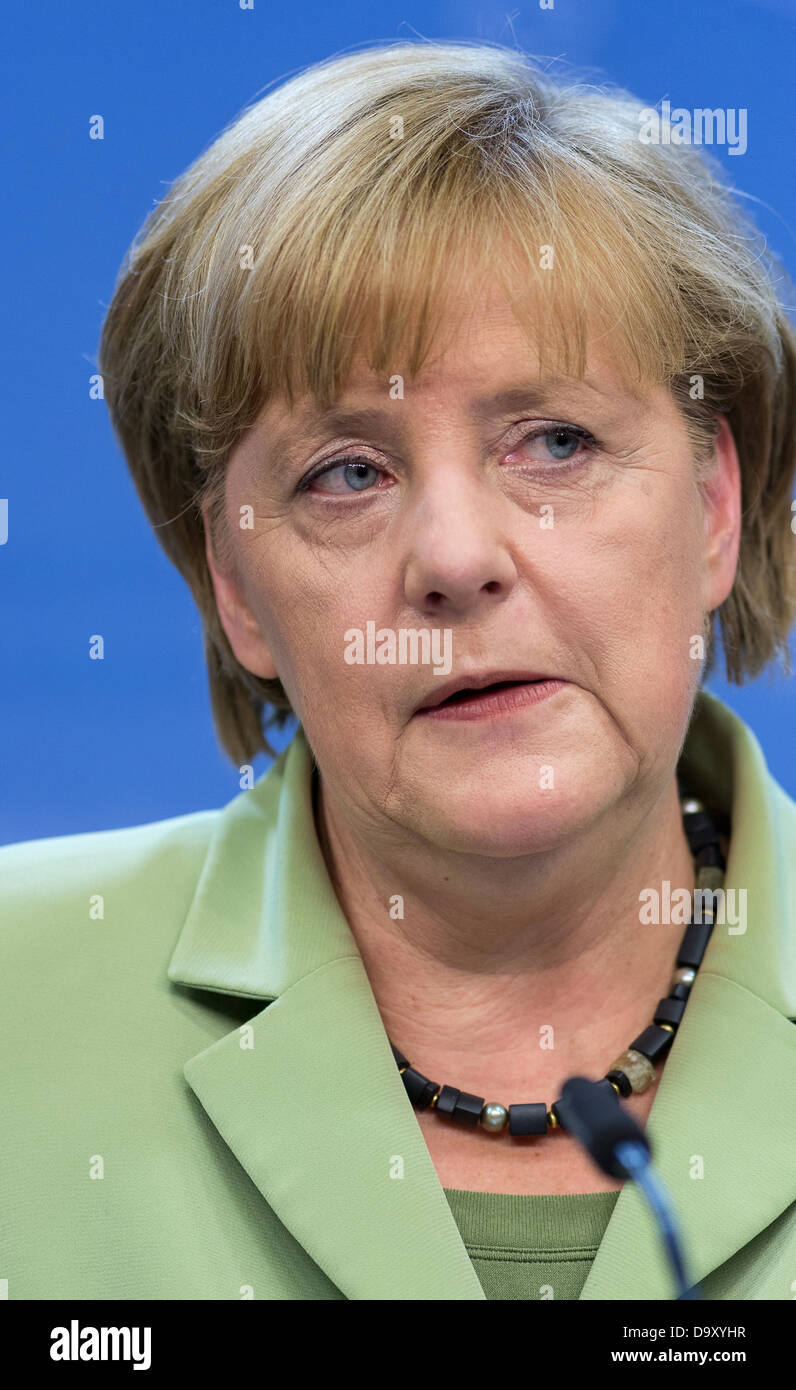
(343, 476)
(559, 443)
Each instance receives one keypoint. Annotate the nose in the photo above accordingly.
(459, 558)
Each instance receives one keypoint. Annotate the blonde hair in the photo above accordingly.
(361, 188)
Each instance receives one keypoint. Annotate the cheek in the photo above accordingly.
(665, 573)
(304, 606)
(630, 601)
(647, 552)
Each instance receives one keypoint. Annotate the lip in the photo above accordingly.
(477, 680)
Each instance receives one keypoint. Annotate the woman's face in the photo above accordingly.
(554, 529)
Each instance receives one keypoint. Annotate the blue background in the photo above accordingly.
(95, 744)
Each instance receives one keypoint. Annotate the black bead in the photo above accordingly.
(669, 1011)
(710, 857)
(446, 1100)
(460, 1106)
(700, 830)
(625, 1088)
(418, 1088)
(695, 940)
(467, 1110)
(530, 1117)
(680, 991)
(652, 1043)
(399, 1056)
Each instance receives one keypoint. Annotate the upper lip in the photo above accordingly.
(475, 680)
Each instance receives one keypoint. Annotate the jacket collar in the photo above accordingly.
(309, 1099)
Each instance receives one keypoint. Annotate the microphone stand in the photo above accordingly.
(591, 1111)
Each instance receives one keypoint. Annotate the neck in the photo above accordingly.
(473, 960)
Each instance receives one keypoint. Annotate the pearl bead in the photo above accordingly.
(494, 1116)
(684, 976)
(692, 806)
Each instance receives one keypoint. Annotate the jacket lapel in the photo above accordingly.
(723, 1122)
(316, 1113)
(308, 1097)
(723, 1139)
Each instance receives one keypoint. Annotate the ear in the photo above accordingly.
(722, 515)
(238, 621)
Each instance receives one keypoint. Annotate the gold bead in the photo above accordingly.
(667, 1026)
(433, 1100)
(615, 1086)
(402, 1070)
(552, 1120)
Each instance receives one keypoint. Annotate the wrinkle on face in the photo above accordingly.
(607, 596)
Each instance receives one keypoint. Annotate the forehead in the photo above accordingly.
(487, 363)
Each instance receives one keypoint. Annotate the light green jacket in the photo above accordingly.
(199, 1100)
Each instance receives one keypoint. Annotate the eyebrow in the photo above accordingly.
(510, 398)
(294, 435)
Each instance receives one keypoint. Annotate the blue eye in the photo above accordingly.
(360, 475)
(352, 475)
(355, 473)
(562, 443)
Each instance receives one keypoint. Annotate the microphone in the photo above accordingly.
(592, 1113)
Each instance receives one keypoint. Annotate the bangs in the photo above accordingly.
(408, 258)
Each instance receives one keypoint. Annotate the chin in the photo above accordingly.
(504, 823)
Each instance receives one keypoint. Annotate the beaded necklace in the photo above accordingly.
(633, 1070)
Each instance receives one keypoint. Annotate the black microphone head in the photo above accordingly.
(592, 1112)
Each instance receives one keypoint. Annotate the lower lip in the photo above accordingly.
(495, 702)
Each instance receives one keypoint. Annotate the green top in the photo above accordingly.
(199, 1099)
(531, 1246)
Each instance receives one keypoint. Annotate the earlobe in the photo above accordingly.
(722, 508)
(238, 621)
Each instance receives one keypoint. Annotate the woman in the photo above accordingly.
(463, 410)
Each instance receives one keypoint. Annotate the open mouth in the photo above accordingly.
(469, 693)
(497, 697)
